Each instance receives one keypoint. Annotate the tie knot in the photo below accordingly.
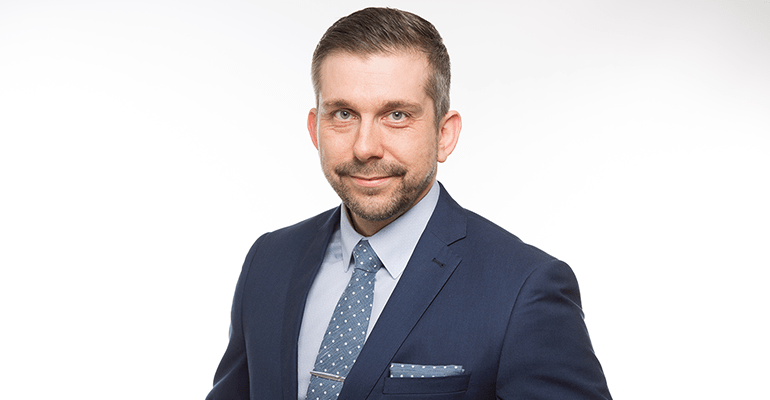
(365, 257)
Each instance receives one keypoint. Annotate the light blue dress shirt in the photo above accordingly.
(393, 244)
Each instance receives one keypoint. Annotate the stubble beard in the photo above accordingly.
(365, 205)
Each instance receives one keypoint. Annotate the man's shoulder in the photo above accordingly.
(487, 236)
(285, 244)
(306, 229)
(479, 234)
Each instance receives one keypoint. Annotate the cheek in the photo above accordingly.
(326, 152)
(335, 147)
(330, 155)
(417, 154)
(326, 161)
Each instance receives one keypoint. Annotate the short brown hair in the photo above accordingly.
(386, 30)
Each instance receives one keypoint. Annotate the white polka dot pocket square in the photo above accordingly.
(398, 370)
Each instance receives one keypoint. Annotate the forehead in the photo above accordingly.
(376, 77)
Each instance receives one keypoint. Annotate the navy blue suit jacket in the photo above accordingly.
(472, 295)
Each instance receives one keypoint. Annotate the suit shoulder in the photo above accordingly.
(298, 235)
(303, 230)
(490, 237)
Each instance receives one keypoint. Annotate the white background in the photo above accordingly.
(146, 144)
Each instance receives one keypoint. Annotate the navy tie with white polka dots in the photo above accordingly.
(346, 333)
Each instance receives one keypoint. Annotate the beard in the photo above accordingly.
(366, 204)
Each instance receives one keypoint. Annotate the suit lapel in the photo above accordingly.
(302, 278)
(430, 266)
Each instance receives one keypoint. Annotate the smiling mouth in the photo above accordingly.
(370, 174)
(370, 182)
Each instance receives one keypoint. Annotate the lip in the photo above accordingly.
(372, 182)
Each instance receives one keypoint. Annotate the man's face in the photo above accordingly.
(375, 134)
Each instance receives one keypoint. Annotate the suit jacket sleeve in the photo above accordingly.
(547, 352)
(231, 380)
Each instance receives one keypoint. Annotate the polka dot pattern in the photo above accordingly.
(424, 371)
(346, 333)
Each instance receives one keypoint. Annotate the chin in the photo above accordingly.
(378, 210)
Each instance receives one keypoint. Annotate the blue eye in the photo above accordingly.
(343, 114)
(397, 115)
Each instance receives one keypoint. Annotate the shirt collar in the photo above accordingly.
(395, 242)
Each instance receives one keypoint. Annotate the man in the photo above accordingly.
(399, 292)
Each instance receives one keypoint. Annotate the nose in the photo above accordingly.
(368, 144)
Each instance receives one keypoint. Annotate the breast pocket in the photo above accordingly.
(449, 385)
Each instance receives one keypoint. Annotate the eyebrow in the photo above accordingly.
(413, 108)
(335, 104)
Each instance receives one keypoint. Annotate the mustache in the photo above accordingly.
(378, 168)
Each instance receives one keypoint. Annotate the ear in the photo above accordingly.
(311, 126)
(449, 133)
